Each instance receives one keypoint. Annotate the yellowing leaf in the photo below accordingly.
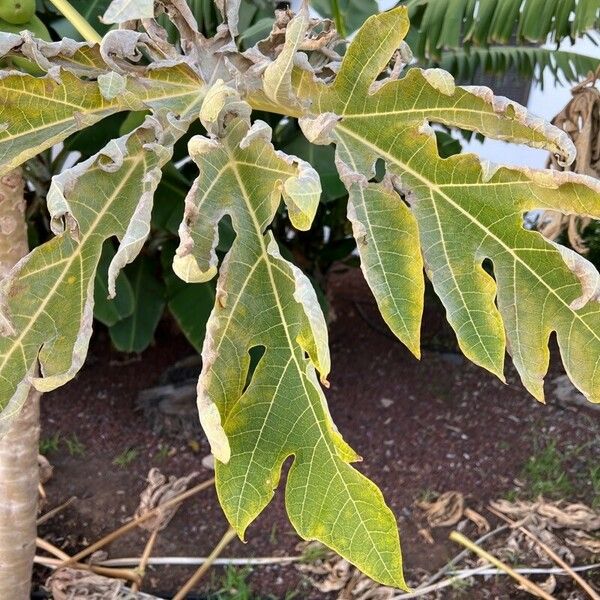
(265, 305)
(467, 212)
(38, 112)
(277, 77)
(48, 298)
(385, 232)
(83, 58)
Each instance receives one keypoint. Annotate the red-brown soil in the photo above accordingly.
(451, 426)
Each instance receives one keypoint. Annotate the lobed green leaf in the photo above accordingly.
(265, 305)
(38, 112)
(48, 298)
(467, 212)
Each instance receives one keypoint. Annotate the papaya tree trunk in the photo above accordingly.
(19, 474)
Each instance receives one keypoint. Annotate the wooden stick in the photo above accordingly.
(50, 548)
(52, 513)
(195, 578)
(531, 587)
(62, 556)
(117, 533)
(555, 557)
(448, 566)
(141, 569)
(480, 572)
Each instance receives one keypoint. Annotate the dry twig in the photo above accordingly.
(52, 513)
(555, 557)
(195, 578)
(141, 568)
(525, 583)
(117, 533)
(448, 566)
(62, 556)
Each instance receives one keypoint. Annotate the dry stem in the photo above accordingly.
(555, 557)
(195, 578)
(141, 569)
(531, 587)
(117, 533)
(62, 556)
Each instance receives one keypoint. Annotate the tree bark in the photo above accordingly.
(19, 473)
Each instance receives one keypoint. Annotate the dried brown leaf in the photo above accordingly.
(580, 119)
(558, 515)
(445, 511)
(480, 521)
(579, 539)
(161, 489)
(67, 584)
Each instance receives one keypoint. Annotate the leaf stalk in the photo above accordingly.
(74, 17)
(338, 18)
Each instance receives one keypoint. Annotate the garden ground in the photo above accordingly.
(423, 427)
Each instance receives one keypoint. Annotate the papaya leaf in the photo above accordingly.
(38, 112)
(467, 211)
(135, 333)
(82, 58)
(111, 310)
(265, 303)
(385, 232)
(322, 158)
(48, 298)
(230, 9)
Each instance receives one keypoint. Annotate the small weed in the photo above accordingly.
(126, 458)
(162, 453)
(460, 586)
(314, 552)
(74, 446)
(512, 495)
(546, 475)
(50, 444)
(233, 586)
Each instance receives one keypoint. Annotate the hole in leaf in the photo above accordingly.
(256, 353)
(227, 234)
(380, 170)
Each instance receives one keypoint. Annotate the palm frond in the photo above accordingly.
(440, 25)
(530, 61)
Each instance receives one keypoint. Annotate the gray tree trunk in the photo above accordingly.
(19, 474)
